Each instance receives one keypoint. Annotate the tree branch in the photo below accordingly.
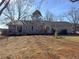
(2, 2)
(4, 6)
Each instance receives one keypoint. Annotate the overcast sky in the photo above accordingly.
(57, 7)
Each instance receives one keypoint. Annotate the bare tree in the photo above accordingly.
(9, 12)
(18, 10)
(73, 17)
(6, 3)
(40, 4)
(23, 8)
(52, 18)
(49, 16)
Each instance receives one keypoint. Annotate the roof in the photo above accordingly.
(37, 12)
(3, 26)
(25, 22)
(15, 22)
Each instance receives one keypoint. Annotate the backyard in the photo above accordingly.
(39, 47)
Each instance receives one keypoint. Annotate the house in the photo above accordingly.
(0, 31)
(38, 26)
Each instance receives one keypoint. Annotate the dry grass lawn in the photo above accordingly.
(39, 47)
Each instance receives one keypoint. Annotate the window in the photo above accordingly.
(26, 27)
(19, 28)
(32, 28)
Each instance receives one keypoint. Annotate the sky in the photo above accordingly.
(57, 7)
